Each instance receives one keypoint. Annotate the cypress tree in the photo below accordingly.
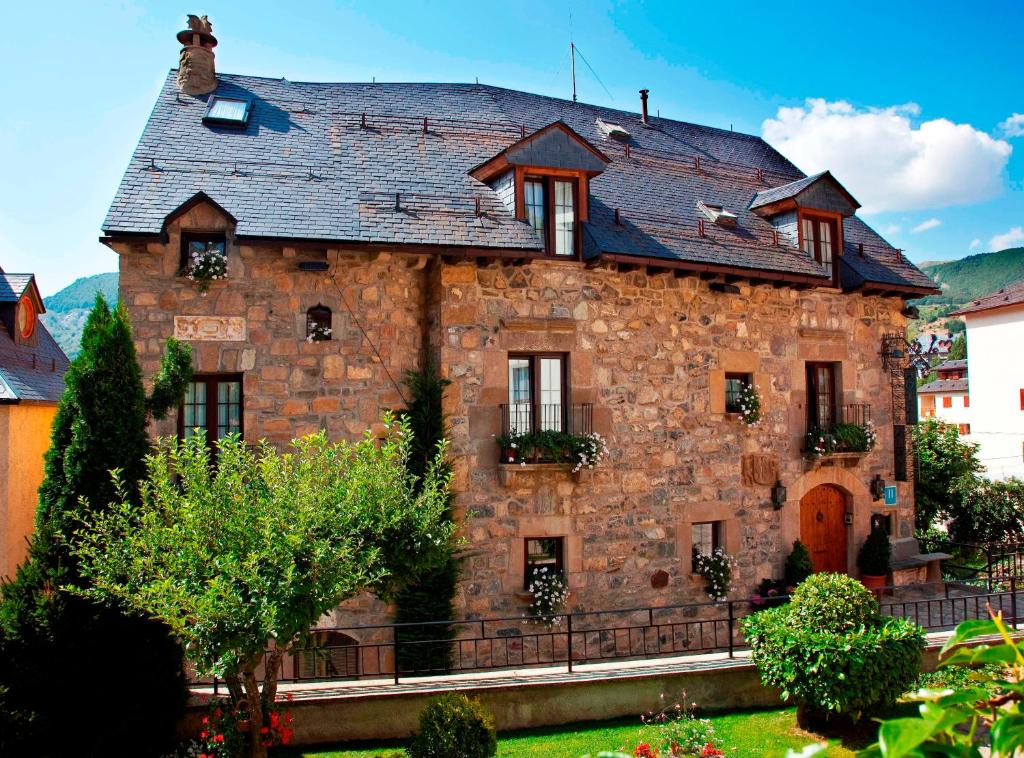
(78, 678)
(431, 597)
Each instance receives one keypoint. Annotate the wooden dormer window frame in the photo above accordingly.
(821, 236)
(549, 179)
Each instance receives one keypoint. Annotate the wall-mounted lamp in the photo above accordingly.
(778, 495)
(877, 487)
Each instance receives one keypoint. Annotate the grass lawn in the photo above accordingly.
(752, 733)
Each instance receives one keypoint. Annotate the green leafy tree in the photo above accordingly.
(958, 350)
(431, 598)
(949, 471)
(247, 556)
(54, 643)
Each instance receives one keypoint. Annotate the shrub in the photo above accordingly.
(550, 592)
(678, 731)
(455, 725)
(990, 512)
(717, 572)
(874, 555)
(798, 565)
(831, 652)
(833, 603)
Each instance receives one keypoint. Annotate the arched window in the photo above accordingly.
(329, 655)
(318, 324)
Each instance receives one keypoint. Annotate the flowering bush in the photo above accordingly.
(644, 750)
(710, 751)
(550, 591)
(841, 438)
(205, 266)
(716, 569)
(318, 332)
(818, 442)
(750, 405)
(679, 731)
(552, 446)
(225, 732)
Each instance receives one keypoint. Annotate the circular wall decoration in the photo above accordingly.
(26, 318)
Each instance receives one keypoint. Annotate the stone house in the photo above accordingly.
(32, 368)
(576, 269)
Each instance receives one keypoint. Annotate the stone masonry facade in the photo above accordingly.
(648, 350)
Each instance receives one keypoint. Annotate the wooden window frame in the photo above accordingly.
(559, 565)
(212, 381)
(836, 222)
(743, 376)
(187, 237)
(964, 429)
(716, 540)
(947, 401)
(812, 393)
(535, 380)
(579, 205)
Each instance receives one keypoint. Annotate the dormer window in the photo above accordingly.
(819, 238)
(550, 205)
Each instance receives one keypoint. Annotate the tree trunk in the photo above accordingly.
(254, 700)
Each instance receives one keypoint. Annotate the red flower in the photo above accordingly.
(218, 738)
(288, 717)
(206, 720)
(286, 735)
(289, 697)
(274, 719)
(644, 750)
(710, 751)
(217, 713)
(204, 734)
(264, 730)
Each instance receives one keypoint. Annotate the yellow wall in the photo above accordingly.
(24, 439)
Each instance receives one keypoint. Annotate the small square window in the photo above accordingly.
(734, 386)
(947, 402)
(705, 536)
(197, 244)
(965, 428)
(543, 553)
(228, 111)
(883, 520)
(967, 401)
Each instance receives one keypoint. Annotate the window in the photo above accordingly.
(734, 385)
(194, 243)
(1022, 400)
(967, 401)
(318, 324)
(213, 405)
(883, 520)
(328, 655)
(965, 428)
(821, 395)
(26, 318)
(550, 206)
(546, 553)
(947, 402)
(818, 238)
(228, 111)
(537, 393)
(705, 536)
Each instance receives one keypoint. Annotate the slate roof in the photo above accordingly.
(309, 166)
(1011, 294)
(953, 365)
(943, 385)
(769, 196)
(31, 372)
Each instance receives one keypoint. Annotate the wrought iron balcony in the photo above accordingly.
(856, 413)
(523, 418)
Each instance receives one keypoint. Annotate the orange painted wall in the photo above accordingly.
(24, 440)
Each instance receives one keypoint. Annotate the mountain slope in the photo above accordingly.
(974, 276)
(67, 310)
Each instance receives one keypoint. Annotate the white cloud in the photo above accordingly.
(1013, 126)
(887, 162)
(1012, 238)
(892, 229)
(974, 243)
(926, 225)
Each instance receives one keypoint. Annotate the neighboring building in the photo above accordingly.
(946, 398)
(995, 331)
(31, 382)
(574, 267)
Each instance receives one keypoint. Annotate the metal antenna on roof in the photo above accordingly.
(572, 55)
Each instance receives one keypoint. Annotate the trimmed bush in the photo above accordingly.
(455, 725)
(798, 565)
(875, 554)
(831, 652)
(833, 603)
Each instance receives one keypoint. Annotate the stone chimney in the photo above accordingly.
(196, 72)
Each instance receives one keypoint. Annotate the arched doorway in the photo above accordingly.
(329, 655)
(823, 528)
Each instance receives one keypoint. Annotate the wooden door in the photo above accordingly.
(822, 528)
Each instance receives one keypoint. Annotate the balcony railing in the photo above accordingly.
(856, 413)
(522, 418)
(851, 433)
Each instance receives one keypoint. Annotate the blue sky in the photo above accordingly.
(913, 111)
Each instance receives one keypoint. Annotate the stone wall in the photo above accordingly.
(650, 352)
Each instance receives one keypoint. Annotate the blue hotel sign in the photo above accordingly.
(890, 494)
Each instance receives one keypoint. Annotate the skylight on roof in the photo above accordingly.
(614, 131)
(228, 111)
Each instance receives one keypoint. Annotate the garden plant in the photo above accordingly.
(832, 653)
(241, 559)
(454, 725)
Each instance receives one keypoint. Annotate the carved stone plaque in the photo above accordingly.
(760, 468)
(210, 328)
